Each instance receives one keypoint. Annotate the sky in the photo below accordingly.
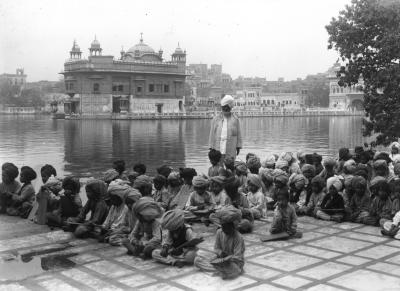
(264, 38)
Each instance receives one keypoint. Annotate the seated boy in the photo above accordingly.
(200, 202)
(297, 193)
(215, 159)
(9, 186)
(332, 206)
(69, 204)
(217, 191)
(146, 235)
(285, 218)
(20, 203)
(160, 193)
(180, 200)
(255, 196)
(229, 247)
(380, 210)
(317, 187)
(360, 201)
(177, 233)
(96, 192)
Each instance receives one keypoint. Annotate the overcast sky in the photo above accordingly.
(266, 38)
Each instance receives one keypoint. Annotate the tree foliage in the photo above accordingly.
(367, 36)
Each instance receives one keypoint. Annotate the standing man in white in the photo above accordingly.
(225, 132)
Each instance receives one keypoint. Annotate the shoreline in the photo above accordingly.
(203, 115)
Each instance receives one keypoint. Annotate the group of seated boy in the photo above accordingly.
(153, 216)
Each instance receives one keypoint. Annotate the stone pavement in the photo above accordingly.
(330, 256)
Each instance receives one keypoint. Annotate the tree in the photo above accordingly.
(367, 36)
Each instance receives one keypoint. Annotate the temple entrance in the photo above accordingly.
(159, 108)
(180, 106)
(116, 105)
(357, 104)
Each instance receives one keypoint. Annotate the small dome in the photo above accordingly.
(178, 50)
(75, 47)
(95, 43)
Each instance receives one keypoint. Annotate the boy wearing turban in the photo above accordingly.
(380, 210)
(181, 198)
(217, 191)
(360, 201)
(332, 206)
(146, 235)
(317, 195)
(200, 202)
(297, 194)
(229, 247)
(160, 193)
(21, 202)
(255, 196)
(285, 218)
(177, 233)
(8, 186)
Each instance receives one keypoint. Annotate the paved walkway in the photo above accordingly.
(330, 256)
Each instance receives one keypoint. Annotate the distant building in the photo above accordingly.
(17, 79)
(344, 98)
(140, 81)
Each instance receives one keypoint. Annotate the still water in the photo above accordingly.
(87, 148)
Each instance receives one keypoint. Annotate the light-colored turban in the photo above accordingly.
(54, 184)
(396, 145)
(173, 219)
(376, 180)
(280, 176)
(241, 167)
(281, 164)
(269, 162)
(286, 156)
(147, 208)
(335, 182)
(229, 214)
(200, 181)
(142, 180)
(380, 164)
(350, 166)
(329, 162)
(110, 175)
(122, 190)
(228, 100)
(254, 179)
(173, 176)
(358, 181)
(396, 159)
(298, 180)
(307, 168)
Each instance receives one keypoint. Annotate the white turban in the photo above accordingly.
(228, 100)
(335, 182)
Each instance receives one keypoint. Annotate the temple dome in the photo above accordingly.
(95, 43)
(141, 47)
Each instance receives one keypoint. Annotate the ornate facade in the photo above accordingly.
(140, 81)
(344, 98)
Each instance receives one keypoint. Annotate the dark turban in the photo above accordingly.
(254, 179)
(253, 162)
(98, 188)
(319, 181)
(308, 169)
(110, 175)
(358, 181)
(298, 180)
(11, 170)
(187, 173)
(69, 183)
(28, 173)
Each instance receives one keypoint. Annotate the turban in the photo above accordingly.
(350, 166)
(307, 168)
(28, 173)
(344, 154)
(267, 174)
(229, 214)
(348, 181)
(318, 180)
(142, 181)
(254, 162)
(254, 179)
(173, 176)
(173, 219)
(133, 195)
(269, 162)
(335, 182)
(281, 164)
(241, 167)
(164, 170)
(187, 173)
(110, 175)
(228, 100)
(68, 182)
(229, 161)
(218, 179)
(358, 181)
(200, 181)
(329, 162)
(121, 190)
(396, 159)
(11, 170)
(147, 208)
(358, 150)
(380, 164)
(98, 188)
(301, 156)
(382, 156)
(132, 174)
(378, 179)
(395, 145)
(396, 169)
(281, 176)
(287, 156)
(298, 180)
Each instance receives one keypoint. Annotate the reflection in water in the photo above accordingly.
(88, 147)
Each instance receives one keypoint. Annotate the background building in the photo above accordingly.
(17, 79)
(140, 81)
